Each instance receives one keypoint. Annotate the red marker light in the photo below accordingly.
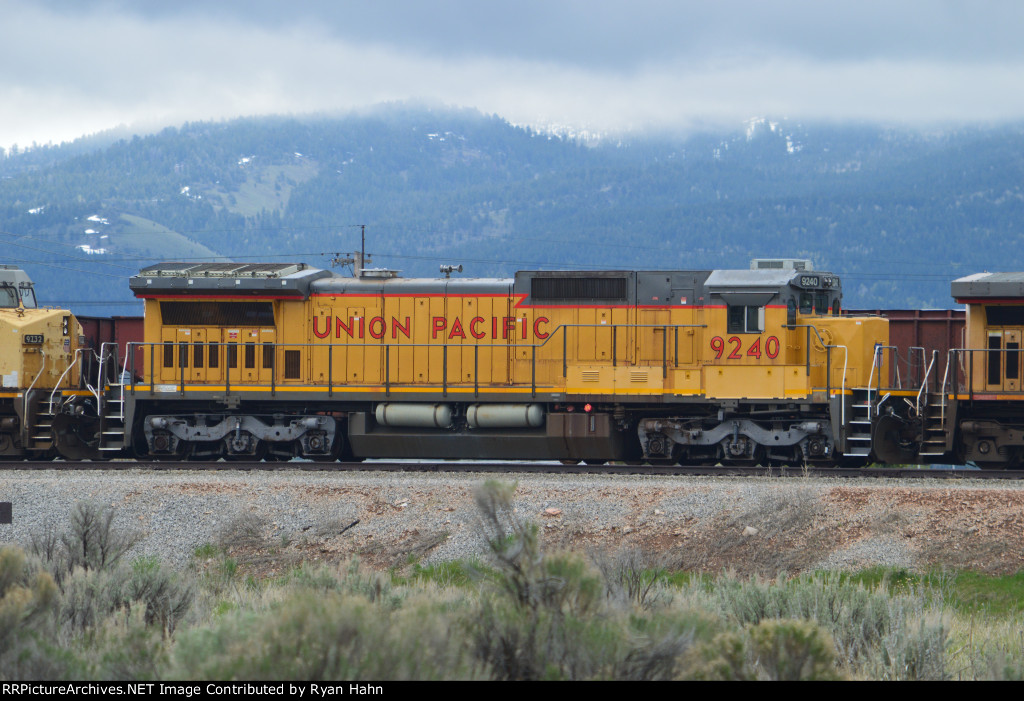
(588, 408)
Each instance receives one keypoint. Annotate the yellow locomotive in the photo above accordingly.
(978, 416)
(38, 360)
(275, 360)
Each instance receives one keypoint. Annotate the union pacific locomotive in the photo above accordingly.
(39, 357)
(271, 361)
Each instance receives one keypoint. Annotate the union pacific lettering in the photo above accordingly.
(441, 328)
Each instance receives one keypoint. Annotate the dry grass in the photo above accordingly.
(776, 532)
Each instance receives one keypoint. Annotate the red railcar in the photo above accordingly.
(121, 330)
(919, 335)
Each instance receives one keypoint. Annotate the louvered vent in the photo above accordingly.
(217, 313)
(605, 288)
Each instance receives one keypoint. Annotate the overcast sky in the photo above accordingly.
(72, 67)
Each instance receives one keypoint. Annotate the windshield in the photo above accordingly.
(8, 297)
(28, 297)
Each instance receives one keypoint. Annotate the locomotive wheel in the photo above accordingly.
(337, 448)
(330, 457)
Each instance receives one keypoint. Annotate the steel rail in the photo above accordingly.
(519, 467)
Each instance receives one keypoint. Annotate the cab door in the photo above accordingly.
(1011, 339)
(995, 361)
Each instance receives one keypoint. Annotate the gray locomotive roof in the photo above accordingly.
(339, 285)
(288, 279)
(744, 279)
(989, 285)
(13, 275)
(300, 280)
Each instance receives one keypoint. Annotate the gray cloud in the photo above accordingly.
(619, 33)
(76, 67)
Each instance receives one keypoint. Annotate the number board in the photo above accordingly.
(33, 338)
(809, 281)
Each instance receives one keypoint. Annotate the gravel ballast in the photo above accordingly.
(756, 525)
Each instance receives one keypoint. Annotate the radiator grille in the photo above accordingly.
(605, 288)
(217, 313)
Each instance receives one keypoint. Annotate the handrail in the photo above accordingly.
(950, 359)
(56, 387)
(924, 383)
(108, 349)
(924, 357)
(846, 358)
(877, 366)
(135, 346)
(506, 345)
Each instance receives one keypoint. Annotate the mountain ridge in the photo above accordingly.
(896, 213)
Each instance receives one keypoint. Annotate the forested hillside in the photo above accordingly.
(896, 213)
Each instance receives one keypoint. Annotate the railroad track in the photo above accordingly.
(523, 467)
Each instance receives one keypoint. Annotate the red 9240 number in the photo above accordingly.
(735, 348)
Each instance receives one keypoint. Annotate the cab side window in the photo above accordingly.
(744, 319)
(806, 303)
(820, 303)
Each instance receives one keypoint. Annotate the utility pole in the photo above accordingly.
(358, 260)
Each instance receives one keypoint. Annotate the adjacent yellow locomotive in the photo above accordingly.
(978, 415)
(275, 360)
(38, 360)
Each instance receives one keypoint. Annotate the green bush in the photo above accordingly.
(324, 637)
(28, 597)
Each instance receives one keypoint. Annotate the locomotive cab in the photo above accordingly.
(37, 358)
(783, 370)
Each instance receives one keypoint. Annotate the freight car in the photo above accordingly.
(38, 358)
(277, 360)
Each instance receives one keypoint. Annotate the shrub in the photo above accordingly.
(91, 542)
(28, 596)
(788, 650)
(325, 636)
